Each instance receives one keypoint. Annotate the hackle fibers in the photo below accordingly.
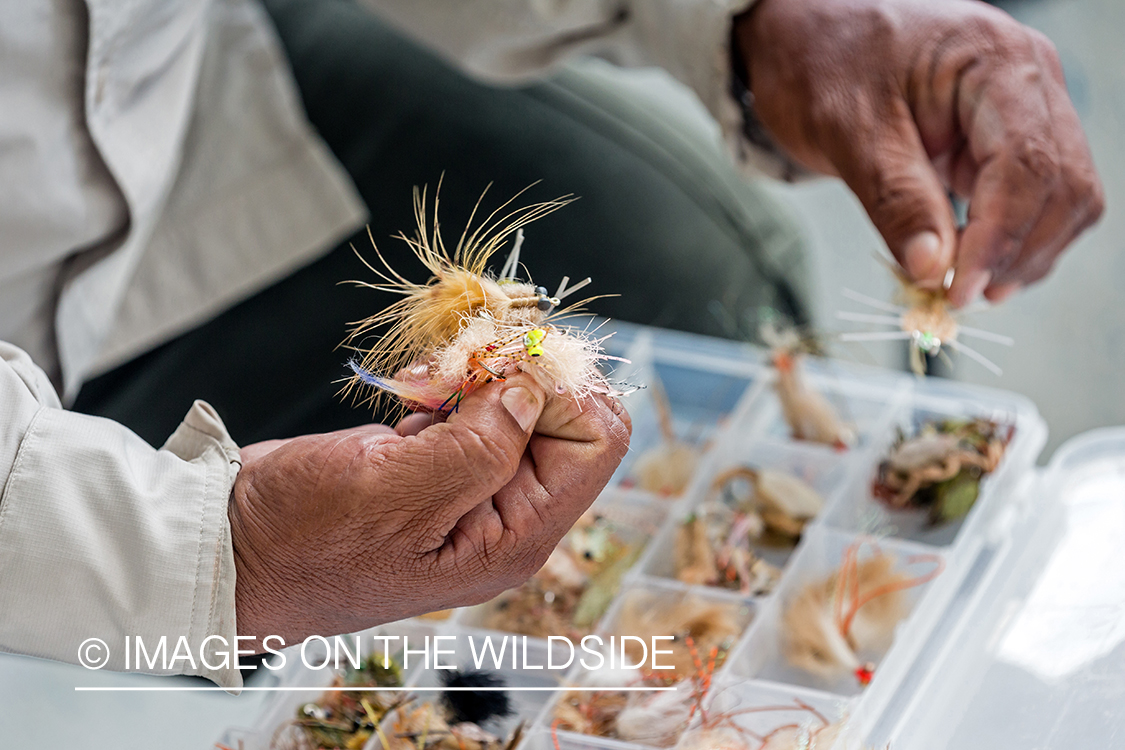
(655, 718)
(697, 626)
(728, 730)
(467, 326)
(831, 623)
(926, 320)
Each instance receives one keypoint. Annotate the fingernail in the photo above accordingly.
(922, 256)
(522, 405)
(974, 283)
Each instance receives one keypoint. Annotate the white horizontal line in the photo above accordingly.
(415, 689)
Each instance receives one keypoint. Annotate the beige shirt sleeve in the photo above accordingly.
(513, 40)
(102, 536)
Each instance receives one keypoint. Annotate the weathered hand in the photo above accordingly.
(905, 99)
(338, 532)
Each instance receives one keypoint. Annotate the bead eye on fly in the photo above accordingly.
(533, 341)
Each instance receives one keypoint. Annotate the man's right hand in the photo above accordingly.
(338, 532)
(905, 100)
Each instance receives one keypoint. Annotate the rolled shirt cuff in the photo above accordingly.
(101, 536)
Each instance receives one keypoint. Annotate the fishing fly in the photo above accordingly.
(466, 326)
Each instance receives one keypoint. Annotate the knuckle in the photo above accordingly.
(1043, 45)
(877, 21)
(525, 520)
(611, 425)
(494, 565)
(867, 24)
(1097, 204)
(1037, 158)
(371, 453)
(622, 414)
(1086, 194)
(1037, 268)
(1095, 201)
(1000, 43)
(994, 34)
(619, 434)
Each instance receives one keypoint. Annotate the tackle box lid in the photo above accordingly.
(1030, 650)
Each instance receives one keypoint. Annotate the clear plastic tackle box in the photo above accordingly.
(1016, 644)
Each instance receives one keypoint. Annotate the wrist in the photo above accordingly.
(743, 44)
(749, 41)
(258, 604)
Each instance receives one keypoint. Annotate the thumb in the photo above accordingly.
(890, 172)
(453, 466)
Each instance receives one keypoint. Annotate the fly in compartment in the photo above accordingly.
(658, 636)
(746, 512)
(800, 397)
(688, 397)
(297, 719)
(837, 612)
(476, 696)
(574, 588)
(759, 715)
(949, 451)
(548, 738)
(1032, 650)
